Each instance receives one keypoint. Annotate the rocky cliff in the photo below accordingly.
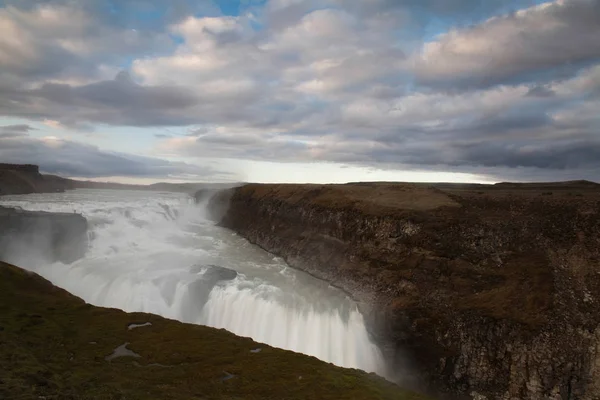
(491, 292)
(26, 178)
(34, 236)
(54, 346)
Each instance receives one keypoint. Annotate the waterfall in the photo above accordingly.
(157, 253)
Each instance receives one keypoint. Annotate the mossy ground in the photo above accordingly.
(53, 346)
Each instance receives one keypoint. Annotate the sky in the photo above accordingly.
(302, 90)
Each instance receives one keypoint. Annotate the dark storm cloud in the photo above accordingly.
(119, 93)
(18, 128)
(13, 131)
(49, 61)
(69, 158)
(558, 156)
(119, 102)
(525, 120)
(502, 162)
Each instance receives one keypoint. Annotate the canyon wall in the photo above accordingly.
(490, 292)
(26, 179)
(25, 168)
(28, 237)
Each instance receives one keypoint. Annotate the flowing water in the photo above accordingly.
(153, 252)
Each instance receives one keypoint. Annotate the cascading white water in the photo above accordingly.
(154, 252)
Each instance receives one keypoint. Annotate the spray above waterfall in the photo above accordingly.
(158, 253)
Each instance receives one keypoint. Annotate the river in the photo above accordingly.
(155, 252)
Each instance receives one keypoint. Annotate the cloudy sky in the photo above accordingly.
(302, 90)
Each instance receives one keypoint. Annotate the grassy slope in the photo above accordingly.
(54, 345)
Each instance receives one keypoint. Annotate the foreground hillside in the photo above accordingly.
(54, 346)
(492, 291)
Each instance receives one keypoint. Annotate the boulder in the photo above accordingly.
(217, 273)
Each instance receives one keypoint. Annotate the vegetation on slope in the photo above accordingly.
(55, 346)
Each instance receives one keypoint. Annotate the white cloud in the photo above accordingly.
(340, 81)
(75, 159)
(64, 42)
(53, 124)
(504, 48)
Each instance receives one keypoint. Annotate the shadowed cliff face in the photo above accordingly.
(490, 290)
(26, 178)
(18, 181)
(27, 236)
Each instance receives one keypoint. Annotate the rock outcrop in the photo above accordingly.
(26, 178)
(493, 292)
(54, 346)
(35, 236)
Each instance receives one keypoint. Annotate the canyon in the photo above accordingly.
(479, 291)
(54, 344)
(471, 291)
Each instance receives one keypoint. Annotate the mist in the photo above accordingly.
(160, 253)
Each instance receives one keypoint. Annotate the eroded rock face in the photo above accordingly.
(41, 236)
(199, 291)
(492, 291)
(216, 273)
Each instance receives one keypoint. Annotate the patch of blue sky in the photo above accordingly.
(229, 7)
(156, 15)
(435, 25)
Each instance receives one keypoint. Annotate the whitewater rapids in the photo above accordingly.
(149, 252)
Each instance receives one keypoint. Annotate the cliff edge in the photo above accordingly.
(491, 291)
(41, 236)
(26, 179)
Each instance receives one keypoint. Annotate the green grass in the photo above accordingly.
(53, 346)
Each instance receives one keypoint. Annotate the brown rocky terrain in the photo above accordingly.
(489, 291)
